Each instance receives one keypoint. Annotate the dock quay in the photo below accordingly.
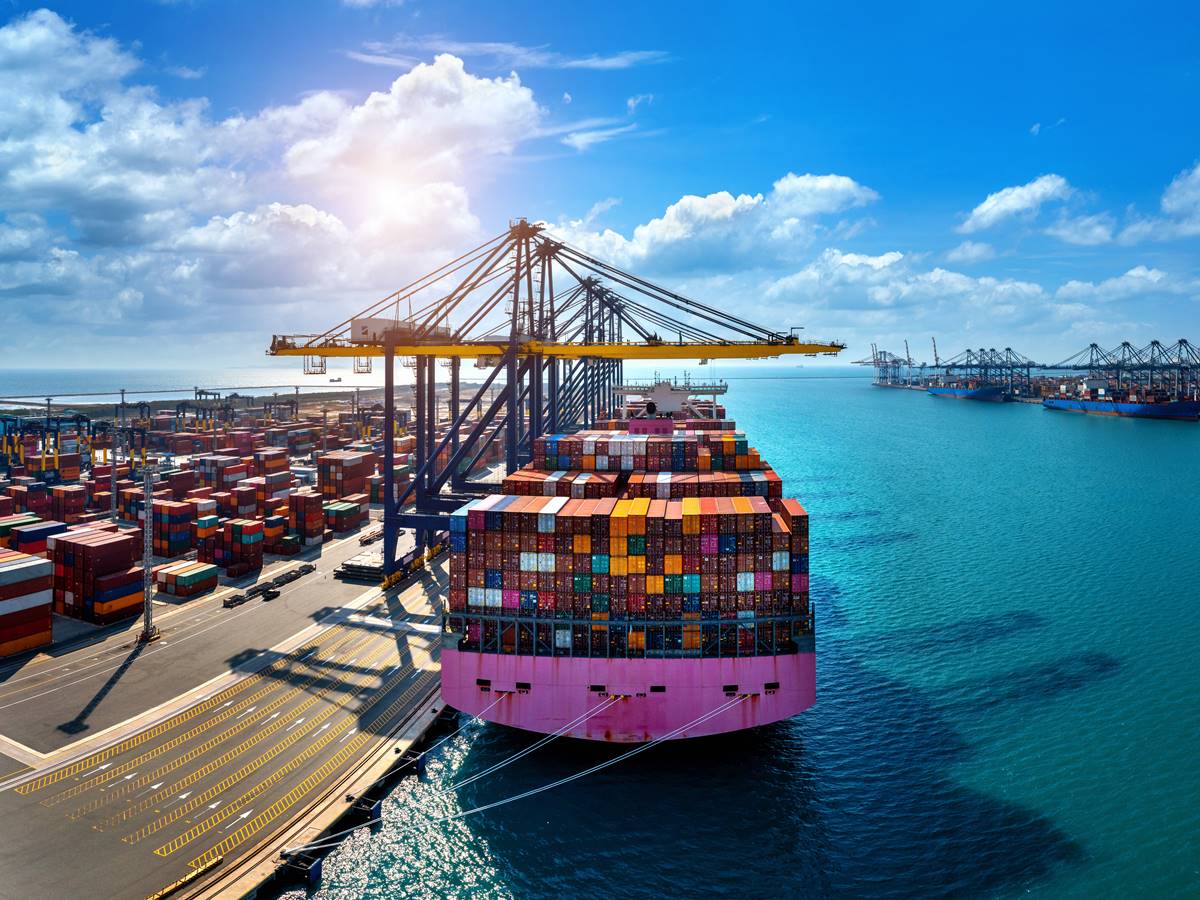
(202, 755)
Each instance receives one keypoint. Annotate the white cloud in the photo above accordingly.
(566, 98)
(391, 60)
(163, 212)
(723, 229)
(187, 73)
(1015, 201)
(632, 103)
(889, 279)
(1138, 281)
(971, 252)
(1037, 127)
(509, 55)
(431, 120)
(276, 245)
(22, 237)
(585, 140)
(1180, 207)
(1085, 231)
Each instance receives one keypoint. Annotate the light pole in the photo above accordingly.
(149, 629)
(116, 443)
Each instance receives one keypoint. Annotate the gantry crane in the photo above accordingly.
(554, 321)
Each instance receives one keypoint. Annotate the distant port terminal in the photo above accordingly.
(1157, 381)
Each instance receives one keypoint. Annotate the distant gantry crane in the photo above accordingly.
(1156, 370)
(551, 325)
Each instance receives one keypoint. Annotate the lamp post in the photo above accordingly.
(149, 629)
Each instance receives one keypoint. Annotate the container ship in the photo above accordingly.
(630, 581)
(1110, 397)
(1184, 410)
(992, 393)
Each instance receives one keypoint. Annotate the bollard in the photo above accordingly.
(421, 767)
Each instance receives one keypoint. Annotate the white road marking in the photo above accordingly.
(182, 797)
(98, 769)
(153, 787)
(246, 713)
(294, 724)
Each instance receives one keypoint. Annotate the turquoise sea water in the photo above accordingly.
(1008, 609)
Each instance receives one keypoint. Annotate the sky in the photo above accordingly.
(180, 180)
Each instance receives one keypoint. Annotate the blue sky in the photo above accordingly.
(204, 173)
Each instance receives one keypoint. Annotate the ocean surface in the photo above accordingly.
(1008, 614)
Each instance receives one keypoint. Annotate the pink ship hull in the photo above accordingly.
(560, 689)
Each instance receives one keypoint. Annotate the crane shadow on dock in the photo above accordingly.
(80, 723)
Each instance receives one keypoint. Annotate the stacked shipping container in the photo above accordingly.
(95, 576)
(25, 598)
(186, 579)
(664, 557)
(343, 472)
(237, 547)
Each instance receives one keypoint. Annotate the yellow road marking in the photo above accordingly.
(180, 810)
(215, 764)
(141, 737)
(158, 750)
(311, 750)
(279, 807)
(187, 879)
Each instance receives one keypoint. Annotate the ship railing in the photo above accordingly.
(631, 638)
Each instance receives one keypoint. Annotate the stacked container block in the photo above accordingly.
(673, 559)
(347, 513)
(306, 517)
(222, 473)
(68, 501)
(343, 472)
(31, 538)
(172, 524)
(95, 576)
(25, 602)
(238, 547)
(186, 579)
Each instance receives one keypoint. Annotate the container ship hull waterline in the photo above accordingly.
(642, 582)
(1184, 410)
(986, 393)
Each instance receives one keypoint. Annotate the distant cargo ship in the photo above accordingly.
(1185, 410)
(989, 393)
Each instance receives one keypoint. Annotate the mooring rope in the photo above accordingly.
(578, 720)
(328, 842)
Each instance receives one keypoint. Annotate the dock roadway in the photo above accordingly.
(166, 776)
